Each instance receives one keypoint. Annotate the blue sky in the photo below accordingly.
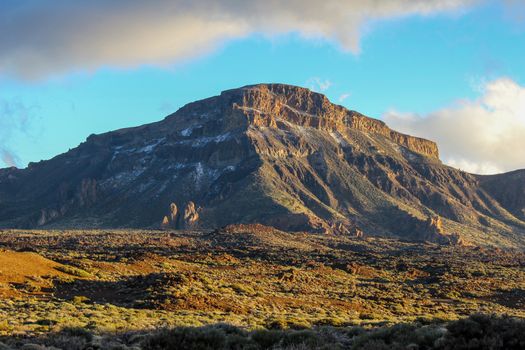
(425, 73)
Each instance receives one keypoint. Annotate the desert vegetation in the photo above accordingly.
(475, 332)
(256, 288)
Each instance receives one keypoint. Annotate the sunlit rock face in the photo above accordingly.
(273, 154)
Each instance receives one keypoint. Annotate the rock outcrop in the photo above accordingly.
(275, 104)
(186, 220)
(165, 223)
(191, 216)
(174, 212)
(273, 154)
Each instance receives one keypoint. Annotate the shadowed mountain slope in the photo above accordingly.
(274, 154)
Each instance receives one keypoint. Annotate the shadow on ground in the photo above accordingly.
(475, 332)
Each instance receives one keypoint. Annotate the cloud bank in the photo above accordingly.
(39, 38)
(483, 136)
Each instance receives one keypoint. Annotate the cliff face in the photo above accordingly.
(275, 104)
(273, 154)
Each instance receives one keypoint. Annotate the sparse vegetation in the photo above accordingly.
(275, 290)
(479, 332)
(74, 271)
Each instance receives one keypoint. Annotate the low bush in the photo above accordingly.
(74, 271)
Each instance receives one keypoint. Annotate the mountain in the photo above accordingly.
(274, 154)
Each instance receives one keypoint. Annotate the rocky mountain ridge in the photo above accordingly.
(272, 105)
(275, 154)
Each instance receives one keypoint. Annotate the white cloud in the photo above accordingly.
(343, 97)
(318, 84)
(39, 38)
(15, 118)
(486, 135)
(8, 157)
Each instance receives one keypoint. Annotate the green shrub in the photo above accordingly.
(80, 299)
(74, 271)
(186, 338)
(485, 332)
(266, 339)
(4, 326)
(476, 332)
(77, 332)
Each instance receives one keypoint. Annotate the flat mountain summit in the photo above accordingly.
(271, 154)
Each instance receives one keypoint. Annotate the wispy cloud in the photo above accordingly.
(515, 10)
(485, 135)
(40, 38)
(9, 158)
(318, 84)
(343, 97)
(15, 118)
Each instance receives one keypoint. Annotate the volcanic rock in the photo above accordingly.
(275, 154)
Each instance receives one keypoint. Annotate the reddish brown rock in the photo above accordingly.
(191, 215)
(165, 222)
(270, 105)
